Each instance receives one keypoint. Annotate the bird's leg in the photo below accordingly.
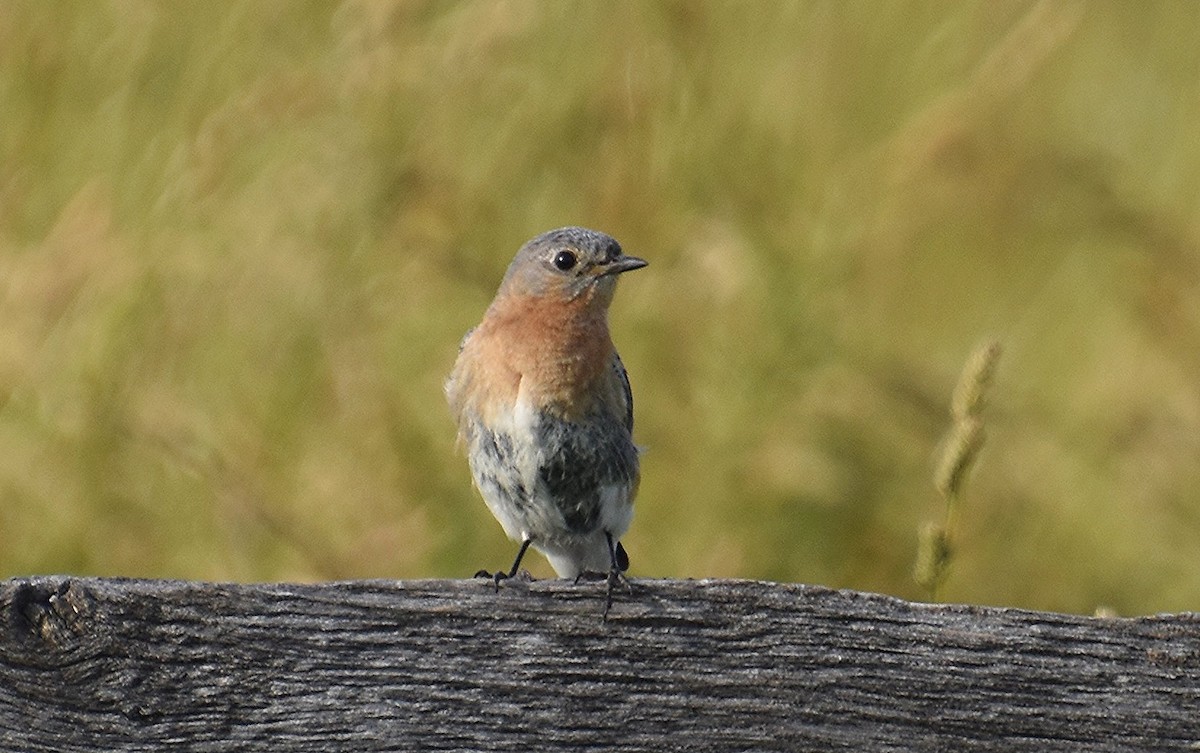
(618, 564)
(517, 562)
(618, 561)
(500, 575)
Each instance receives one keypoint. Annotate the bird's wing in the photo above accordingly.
(626, 392)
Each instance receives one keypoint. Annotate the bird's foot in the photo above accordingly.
(613, 577)
(500, 575)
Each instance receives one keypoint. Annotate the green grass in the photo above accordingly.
(239, 244)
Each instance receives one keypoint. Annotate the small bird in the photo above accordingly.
(544, 408)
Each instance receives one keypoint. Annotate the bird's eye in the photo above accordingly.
(565, 261)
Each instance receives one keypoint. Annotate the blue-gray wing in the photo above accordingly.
(623, 377)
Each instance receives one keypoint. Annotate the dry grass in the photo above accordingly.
(239, 243)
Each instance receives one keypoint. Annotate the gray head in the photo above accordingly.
(568, 261)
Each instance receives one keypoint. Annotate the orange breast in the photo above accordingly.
(554, 352)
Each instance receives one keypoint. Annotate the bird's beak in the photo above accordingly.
(622, 264)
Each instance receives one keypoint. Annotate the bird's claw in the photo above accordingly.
(500, 575)
(613, 577)
(495, 577)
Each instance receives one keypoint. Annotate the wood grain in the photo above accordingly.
(138, 665)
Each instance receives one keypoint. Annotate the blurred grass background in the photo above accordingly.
(239, 243)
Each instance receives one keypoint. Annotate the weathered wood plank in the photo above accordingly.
(137, 665)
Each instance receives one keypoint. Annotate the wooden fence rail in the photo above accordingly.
(139, 665)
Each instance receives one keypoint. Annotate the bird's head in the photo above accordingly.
(569, 262)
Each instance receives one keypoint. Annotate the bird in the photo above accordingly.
(544, 409)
